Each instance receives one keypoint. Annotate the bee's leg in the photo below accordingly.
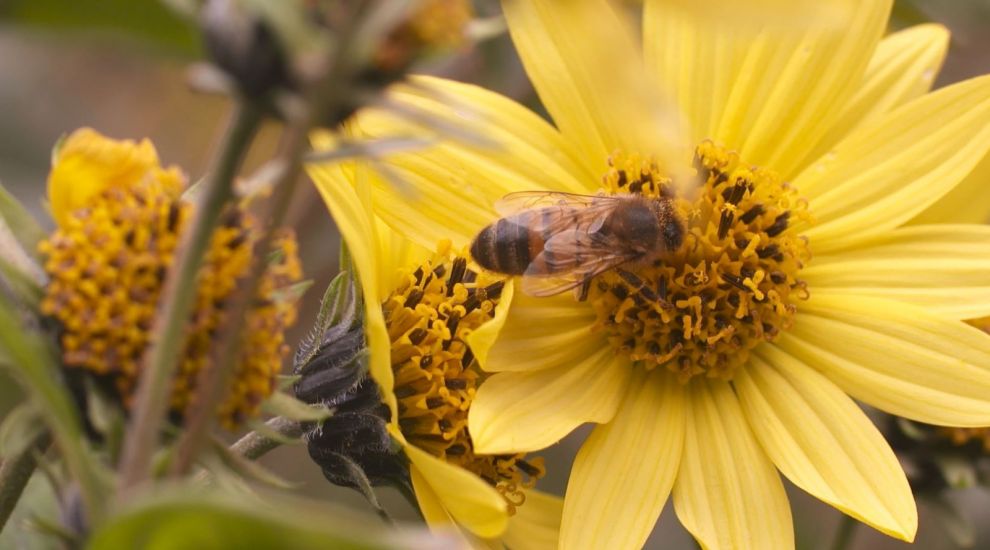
(581, 292)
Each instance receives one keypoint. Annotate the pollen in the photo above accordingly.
(732, 284)
(107, 264)
(436, 375)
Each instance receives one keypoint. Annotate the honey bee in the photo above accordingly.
(561, 241)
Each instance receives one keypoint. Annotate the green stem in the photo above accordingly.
(210, 385)
(37, 369)
(845, 533)
(255, 445)
(178, 296)
(15, 472)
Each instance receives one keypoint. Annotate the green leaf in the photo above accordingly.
(249, 469)
(147, 21)
(24, 286)
(263, 429)
(20, 429)
(207, 521)
(286, 381)
(33, 363)
(280, 404)
(291, 293)
(21, 223)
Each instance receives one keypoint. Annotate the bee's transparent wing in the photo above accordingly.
(513, 203)
(569, 259)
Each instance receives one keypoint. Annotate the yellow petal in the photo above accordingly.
(87, 163)
(624, 471)
(447, 190)
(536, 333)
(896, 357)
(582, 61)
(943, 268)
(349, 202)
(885, 173)
(437, 518)
(768, 83)
(428, 501)
(536, 524)
(526, 411)
(965, 203)
(471, 502)
(821, 440)
(771, 94)
(727, 493)
(903, 68)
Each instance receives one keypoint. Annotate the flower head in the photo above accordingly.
(800, 284)
(120, 218)
(421, 308)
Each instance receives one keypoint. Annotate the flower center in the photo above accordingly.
(732, 283)
(107, 266)
(436, 375)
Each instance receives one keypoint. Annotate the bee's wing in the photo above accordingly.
(513, 203)
(569, 259)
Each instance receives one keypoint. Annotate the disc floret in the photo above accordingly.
(436, 376)
(732, 284)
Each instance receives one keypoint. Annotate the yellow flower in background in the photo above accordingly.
(120, 217)
(87, 163)
(799, 285)
(420, 308)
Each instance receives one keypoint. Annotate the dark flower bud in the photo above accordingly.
(245, 47)
(353, 447)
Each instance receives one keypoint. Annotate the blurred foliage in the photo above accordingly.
(147, 21)
(180, 521)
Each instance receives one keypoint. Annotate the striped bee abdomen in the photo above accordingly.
(508, 245)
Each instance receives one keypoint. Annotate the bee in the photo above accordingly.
(561, 241)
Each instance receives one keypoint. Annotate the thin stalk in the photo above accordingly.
(325, 96)
(155, 384)
(15, 472)
(211, 383)
(845, 533)
(255, 445)
(37, 370)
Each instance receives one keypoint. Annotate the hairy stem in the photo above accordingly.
(255, 445)
(15, 472)
(326, 95)
(178, 296)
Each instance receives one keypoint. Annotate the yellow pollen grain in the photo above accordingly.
(436, 376)
(732, 284)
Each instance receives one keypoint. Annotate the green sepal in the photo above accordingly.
(280, 404)
(20, 429)
(23, 227)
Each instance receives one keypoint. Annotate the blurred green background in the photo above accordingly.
(120, 66)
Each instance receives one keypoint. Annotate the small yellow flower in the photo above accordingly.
(800, 285)
(87, 163)
(120, 217)
(420, 309)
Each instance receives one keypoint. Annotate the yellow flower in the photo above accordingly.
(799, 285)
(87, 163)
(120, 216)
(419, 309)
